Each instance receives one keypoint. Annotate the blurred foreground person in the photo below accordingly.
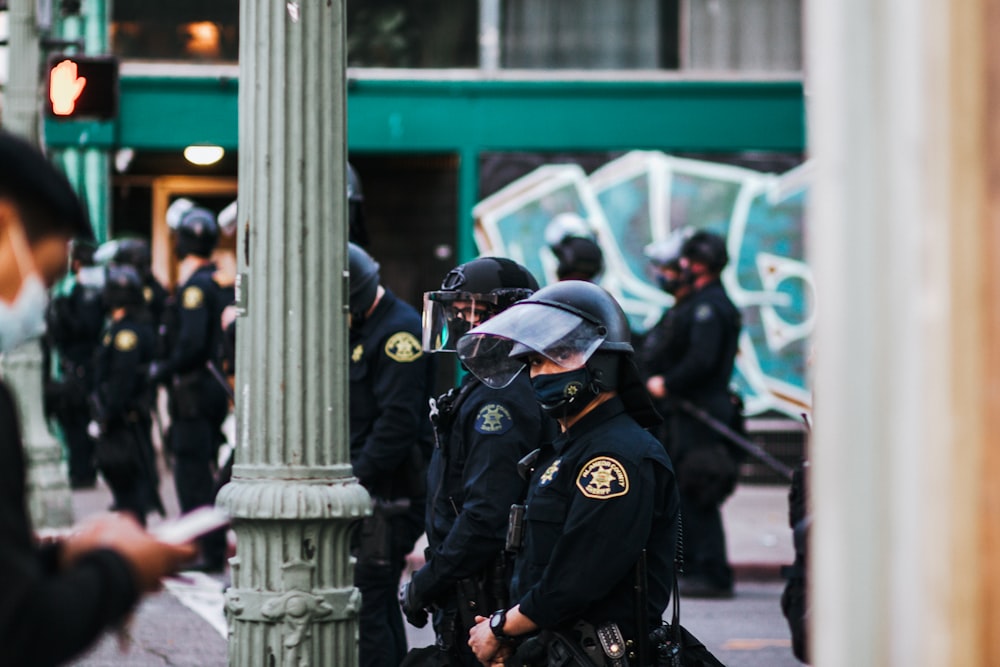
(481, 434)
(578, 597)
(55, 599)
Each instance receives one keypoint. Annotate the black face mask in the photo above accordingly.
(672, 285)
(565, 394)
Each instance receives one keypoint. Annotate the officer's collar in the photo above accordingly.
(388, 298)
(589, 421)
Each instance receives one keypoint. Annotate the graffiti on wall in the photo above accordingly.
(643, 197)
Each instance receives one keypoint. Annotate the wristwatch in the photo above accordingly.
(497, 620)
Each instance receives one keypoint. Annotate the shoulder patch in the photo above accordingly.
(493, 419)
(403, 347)
(126, 340)
(357, 353)
(602, 478)
(192, 298)
(550, 473)
(703, 313)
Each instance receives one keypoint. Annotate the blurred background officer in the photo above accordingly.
(198, 402)
(661, 346)
(704, 339)
(55, 599)
(480, 434)
(135, 252)
(73, 331)
(120, 403)
(602, 509)
(390, 379)
(575, 246)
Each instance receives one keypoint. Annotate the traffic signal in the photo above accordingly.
(82, 87)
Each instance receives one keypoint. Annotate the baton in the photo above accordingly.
(732, 436)
(221, 379)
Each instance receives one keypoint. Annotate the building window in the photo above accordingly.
(180, 30)
(412, 33)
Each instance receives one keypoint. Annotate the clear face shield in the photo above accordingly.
(449, 315)
(496, 351)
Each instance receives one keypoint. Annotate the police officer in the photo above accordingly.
(135, 253)
(198, 403)
(120, 403)
(74, 323)
(390, 379)
(661, 346)
(481, 434)
(697, 371)
(602, 508)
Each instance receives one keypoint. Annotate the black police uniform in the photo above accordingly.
(662, 348)
(602, 493)
(125, 454)
(74, 324)
(699, 369)
(198, 404)
(473, 480)
(155, 298)
(390, 441)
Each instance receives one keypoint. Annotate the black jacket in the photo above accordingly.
(48, 615)
(601, 493)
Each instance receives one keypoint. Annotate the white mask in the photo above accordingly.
(24, 318)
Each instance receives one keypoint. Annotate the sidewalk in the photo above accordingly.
(183, 625)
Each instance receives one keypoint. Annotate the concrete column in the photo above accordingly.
(49, 500)
(293, 498)
(904, 243)
(21, 98)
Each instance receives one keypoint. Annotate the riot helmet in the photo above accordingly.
(579, 259)
(196, 233)
(122, 286)
(135, 253)
(356, 230)
(665, 258)
(364, 279)
(471, 293)
(578, 326)
(81, 250)
(706, 248)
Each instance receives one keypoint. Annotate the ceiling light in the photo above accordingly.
(203, 155)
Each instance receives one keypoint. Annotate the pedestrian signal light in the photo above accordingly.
(82, 87)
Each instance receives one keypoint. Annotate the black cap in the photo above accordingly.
(42, 192)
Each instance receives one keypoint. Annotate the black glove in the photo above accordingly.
(414, 612)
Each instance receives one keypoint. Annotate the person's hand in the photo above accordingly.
(656, 387)
(413, 610)
(151, 560)
(484, 643)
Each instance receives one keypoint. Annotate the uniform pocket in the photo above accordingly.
(544, 519)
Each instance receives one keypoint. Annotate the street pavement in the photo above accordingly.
(183, 626)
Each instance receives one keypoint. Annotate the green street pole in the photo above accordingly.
(293, 498)
(49, 499)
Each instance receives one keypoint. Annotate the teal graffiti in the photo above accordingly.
(643, 197)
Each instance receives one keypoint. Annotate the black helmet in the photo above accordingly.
(567, 322)
(82, 250)
(579, 258)
(135, 253)
(356, 230)
(707, 248)
(486, 286)
(122, 286)
(364, 278)
(197, 233)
